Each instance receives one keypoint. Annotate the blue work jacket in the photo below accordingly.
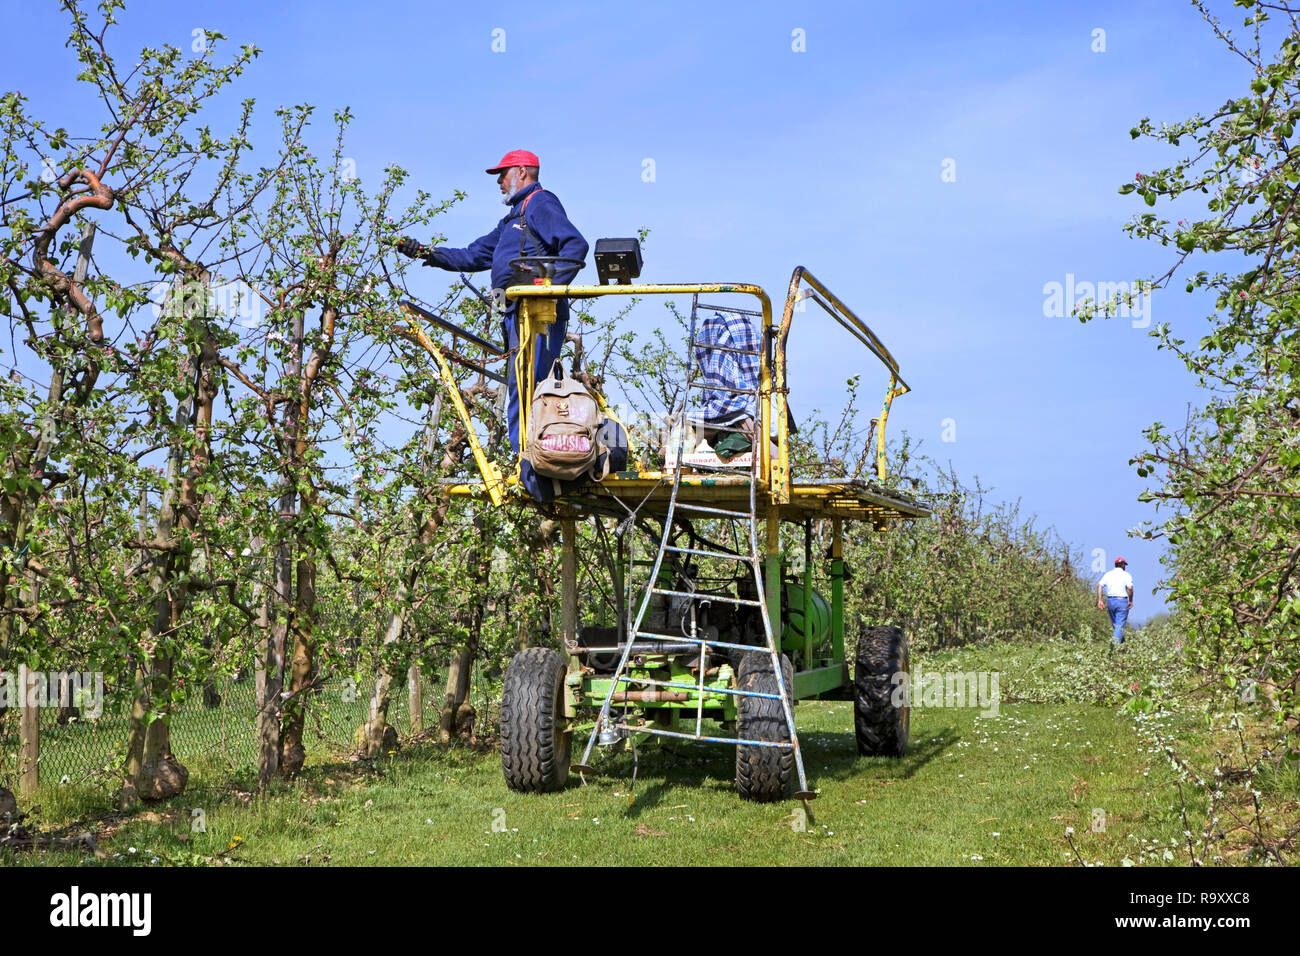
(509, 240)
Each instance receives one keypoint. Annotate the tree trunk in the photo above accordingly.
(8, 811)
(301, 619)
(301, 677)
(152, 771)
(68, 709)
(455, 695)
(278, 611)
(280, 595)
(375, 736)
(541, 545)
(457, 716)
(211, 694)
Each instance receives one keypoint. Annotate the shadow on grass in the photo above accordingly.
(834, 754)
(661, 771)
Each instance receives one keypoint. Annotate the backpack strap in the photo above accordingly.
(529, 198)
(527, 230)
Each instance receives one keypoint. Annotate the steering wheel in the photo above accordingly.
(545, 265)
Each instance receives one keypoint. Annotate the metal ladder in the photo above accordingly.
(647, 641)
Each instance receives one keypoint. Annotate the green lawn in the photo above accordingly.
(972, 791)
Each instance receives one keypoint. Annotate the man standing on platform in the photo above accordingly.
(536, 225)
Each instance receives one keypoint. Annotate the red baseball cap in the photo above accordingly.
(516, 157)
(1119, 561)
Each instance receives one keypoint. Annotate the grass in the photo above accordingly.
(972, 790)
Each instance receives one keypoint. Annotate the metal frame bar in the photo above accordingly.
(645, 729)
(696, 687)
(491, 348)
(491, 477)
(860, 331)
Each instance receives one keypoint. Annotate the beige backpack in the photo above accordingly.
(562, 426)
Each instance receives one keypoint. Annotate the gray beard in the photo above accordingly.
(508, 198)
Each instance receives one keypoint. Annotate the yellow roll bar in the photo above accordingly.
(536, 312)
(845, 316)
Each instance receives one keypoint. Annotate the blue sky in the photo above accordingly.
(766, 158)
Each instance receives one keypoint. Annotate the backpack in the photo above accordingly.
(562, 426)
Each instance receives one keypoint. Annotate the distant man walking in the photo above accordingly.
(536, 225)
(1115, 595)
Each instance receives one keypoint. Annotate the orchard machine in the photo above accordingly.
(707, 621)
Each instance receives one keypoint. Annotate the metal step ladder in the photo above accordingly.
(640, 640)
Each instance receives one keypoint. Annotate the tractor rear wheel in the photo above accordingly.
(763, 774)
(881, 714)
(534, 746)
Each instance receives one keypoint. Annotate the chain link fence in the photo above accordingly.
(216, 730)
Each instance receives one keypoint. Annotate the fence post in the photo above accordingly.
(416, 699)
(29, 736)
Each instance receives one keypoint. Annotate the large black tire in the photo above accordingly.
(763, 774)
(881, 714)
(534, 746)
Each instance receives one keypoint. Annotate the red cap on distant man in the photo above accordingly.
(516, 157)
(1119, 561)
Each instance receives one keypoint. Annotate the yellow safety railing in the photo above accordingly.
(537, 311)
(492, 479)
(858, 329)
(529, 328)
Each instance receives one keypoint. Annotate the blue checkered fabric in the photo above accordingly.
(726, 368)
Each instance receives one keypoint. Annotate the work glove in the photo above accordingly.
(411, 247)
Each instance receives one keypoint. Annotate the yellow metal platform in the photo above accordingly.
(648, 492)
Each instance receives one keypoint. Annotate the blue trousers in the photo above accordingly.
(1117, 607)
(547, 351)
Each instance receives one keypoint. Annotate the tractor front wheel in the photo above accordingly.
(534, 746)
(763, 774)
(881, 714)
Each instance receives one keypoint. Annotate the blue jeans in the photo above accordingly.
(1117, 607)
(548, 350)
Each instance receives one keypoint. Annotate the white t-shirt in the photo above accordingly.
(1116, 582)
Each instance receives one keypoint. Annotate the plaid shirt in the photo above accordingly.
(727, 368)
